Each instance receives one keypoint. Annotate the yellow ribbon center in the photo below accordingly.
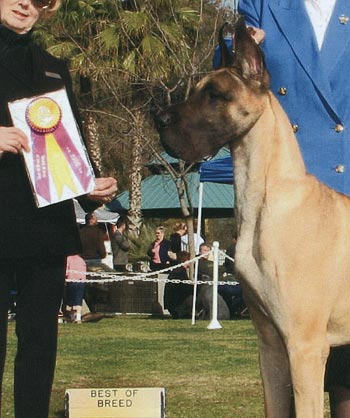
(44, 114)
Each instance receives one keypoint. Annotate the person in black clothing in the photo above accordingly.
(120, 245)
(230, 251)
(92, 240)
(179, 229)
(231, 294)
(176, 294)
(34, 243)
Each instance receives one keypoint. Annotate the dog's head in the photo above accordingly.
(223, 105)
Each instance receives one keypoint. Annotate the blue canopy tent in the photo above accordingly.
(219, 170)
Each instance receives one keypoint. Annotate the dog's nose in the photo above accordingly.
(162, 119)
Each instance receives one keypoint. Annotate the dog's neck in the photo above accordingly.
(267, 164)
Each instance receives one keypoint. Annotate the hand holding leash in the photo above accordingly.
(257, 34)
(105, 190)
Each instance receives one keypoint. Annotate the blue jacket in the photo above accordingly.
(313, 86)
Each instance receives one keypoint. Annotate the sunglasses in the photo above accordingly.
(42, 4)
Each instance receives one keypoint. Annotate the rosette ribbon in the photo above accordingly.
(54, 153)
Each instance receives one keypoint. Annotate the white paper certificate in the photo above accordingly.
(57, 164)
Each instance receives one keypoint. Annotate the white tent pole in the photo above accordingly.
(199, 217)
(214, 324)
(199, 222)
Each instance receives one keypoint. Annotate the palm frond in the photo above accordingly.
(109, 38)
(135, 23)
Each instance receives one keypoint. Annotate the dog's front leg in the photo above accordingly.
(274, 366)
(307, 363)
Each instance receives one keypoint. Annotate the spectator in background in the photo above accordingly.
(180, 229)
(76, 269)
(230, 251)
(92, 241)
(205, 265)
(120, 245)
(231, 294)
(178, 296)
(159, 250)
(205, 291)
(197, 240)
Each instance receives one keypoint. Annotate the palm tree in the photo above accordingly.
(130, 57)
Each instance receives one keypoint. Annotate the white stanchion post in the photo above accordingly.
(214, 323)
(199, 222)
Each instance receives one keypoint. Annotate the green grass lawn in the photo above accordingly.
(206, 373)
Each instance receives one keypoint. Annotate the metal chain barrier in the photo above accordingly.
(111, 277)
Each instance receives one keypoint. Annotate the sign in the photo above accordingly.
(57, 164)
(115, 403)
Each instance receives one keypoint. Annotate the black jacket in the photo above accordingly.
(164, 249)
(25, 230)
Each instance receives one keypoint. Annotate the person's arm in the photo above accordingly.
(250, 9)
(165, 247)
(125, 244)
(150, 251)
(122, 242)
(113, 243)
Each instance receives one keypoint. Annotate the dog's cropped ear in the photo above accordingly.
(226, 46)
(249, 57)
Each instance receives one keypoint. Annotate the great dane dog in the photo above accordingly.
(293, 246)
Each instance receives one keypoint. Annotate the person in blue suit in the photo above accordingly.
(307, 52)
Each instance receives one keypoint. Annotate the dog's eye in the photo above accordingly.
(216, 94)
(219, 95)
(213, 94)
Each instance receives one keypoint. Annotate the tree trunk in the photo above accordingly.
(135, 178)
(90, 126)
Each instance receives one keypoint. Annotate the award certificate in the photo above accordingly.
(57, 164)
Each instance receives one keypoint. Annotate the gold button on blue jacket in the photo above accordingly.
(317, 81)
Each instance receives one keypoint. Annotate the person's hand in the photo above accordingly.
(13, 140)
(105, 190)
(257, 34)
